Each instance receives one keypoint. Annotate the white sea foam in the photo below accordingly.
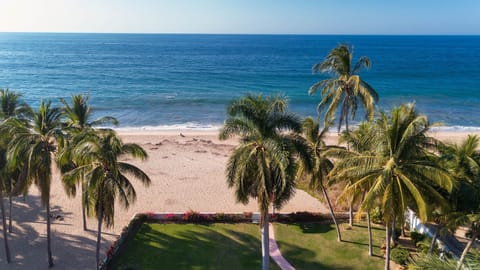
(456, 129)
(185, 126)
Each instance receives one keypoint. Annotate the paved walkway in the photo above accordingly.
(275, 252)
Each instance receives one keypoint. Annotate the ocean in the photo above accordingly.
(174, 81)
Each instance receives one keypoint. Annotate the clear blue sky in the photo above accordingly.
(243, 16)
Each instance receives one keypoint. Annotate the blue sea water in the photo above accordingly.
(177, 81)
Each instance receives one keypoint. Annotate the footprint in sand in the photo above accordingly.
(170, 202)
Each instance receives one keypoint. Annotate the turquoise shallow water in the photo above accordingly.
(177, 81)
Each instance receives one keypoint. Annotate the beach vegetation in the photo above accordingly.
(108, 178)
(10, 108)
(14, 178)
(318, 175)
(263, 166)
(402, 172)
(3, 170)
(363, 141)
(345, 89)
(77, 118)
(34, 144)
(464, 205)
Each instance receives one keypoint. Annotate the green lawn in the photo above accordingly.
(194, 246)
(315, 246)
(237, 246)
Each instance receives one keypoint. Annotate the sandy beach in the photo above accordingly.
(187, 172)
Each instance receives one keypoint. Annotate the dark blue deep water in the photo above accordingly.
(161, 81)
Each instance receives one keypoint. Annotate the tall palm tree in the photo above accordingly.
(78, 119)
(107, 177)
(464, 161)
(322, 164)
(346, 88)
(35, 143)
(3, 169)
(11, 107)
(363, 141)
(403, 171)
(263, 165)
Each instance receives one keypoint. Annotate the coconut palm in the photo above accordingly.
(322, 164)
(78, 119)
(3, 169)
(11, 107)
(263, 165)
(363, 141)
(464, 161)
(346, 88)
(35, 144)
(402, 172)
(107, 177)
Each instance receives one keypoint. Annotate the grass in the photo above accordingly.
(237, 246)
(315, 246)
(194, 246)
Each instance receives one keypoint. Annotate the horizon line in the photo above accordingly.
(245, 34)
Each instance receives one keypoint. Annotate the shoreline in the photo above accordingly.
(451, 136)
(163, 129)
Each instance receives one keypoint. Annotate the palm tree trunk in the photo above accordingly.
(350, 215)
(49, 242)
(99, 233)
(393, 232)
(346, 120)
(84, 216)
(466, 250)
(10, 214)
(434, 239)
(4, 223)
(339, 236)
(369, 226)
(387, 245)
(265, 242)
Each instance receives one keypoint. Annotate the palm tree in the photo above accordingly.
(402, 172)
(106, 175)
(9, 108)
(263, 165)
(12, 108)
(346, 87)
(464, 161)
(35, 143)
(363, 141)
(78, 119)
(474, 221)
(3, 169)
(322, 164)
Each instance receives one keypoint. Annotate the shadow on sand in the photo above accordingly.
(28, 241)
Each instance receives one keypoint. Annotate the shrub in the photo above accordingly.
(416, 237)
(376, 215)
(399, 255)
(423, 246)
(248, 215)
(398, 232)
(300, 217)
(192, 216)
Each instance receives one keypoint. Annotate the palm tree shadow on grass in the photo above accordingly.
(373, 227)
(27, 244)
(315, 227)
(302, 258)
(205, 249)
